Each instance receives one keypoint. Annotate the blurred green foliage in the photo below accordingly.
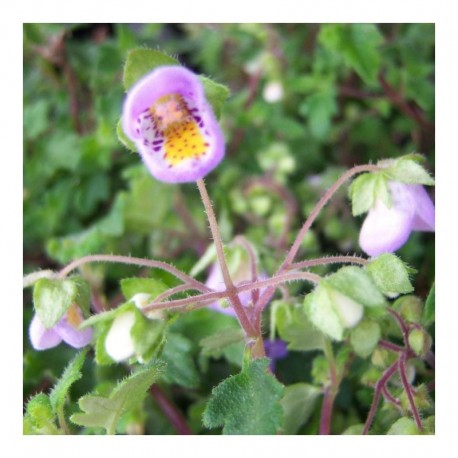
(307, 101)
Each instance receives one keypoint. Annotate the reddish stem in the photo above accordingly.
(170, 410)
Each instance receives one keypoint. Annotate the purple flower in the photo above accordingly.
(386, 229)
(275, 349)
(173, 126)
(216, 281)
(66, 329)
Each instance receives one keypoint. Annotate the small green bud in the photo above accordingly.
(420, 341)
(421, 398)
(410, 308)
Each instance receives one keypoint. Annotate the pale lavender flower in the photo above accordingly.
(386, 229)
(215, 281)
(173, 126)
(65, 330)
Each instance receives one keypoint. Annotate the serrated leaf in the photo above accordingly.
(298, 404)
(430, 306)
(357, 284)
(71, 374)
(364, 338)
(132, 286)
(390, 274)
(247, 403)
(53, 297)
(295, 328)
(409, 171)
(105, 412)
(141, 61)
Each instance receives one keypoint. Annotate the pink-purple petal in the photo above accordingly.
(77, 338)
(425, 213)
(42, 338)
(147, 134)
(385, 229)
(161, 81)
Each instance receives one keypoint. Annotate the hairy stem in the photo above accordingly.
(319, 206)
(231, 291)
(409, 391)
(327, 260)
(379, 386)
(267, 295)
(133, 261)
(330, 391)
(215, 295)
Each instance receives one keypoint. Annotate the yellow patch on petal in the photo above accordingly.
(74, 316)
(183, 137)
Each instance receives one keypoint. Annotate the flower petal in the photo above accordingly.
(173, 126)
(119, 343)
(386, 229)
(76, 338)
(42, 338)
(425, 212)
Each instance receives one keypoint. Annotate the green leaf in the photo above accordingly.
(430, 305)
(358, 285)
(298, 404)
(215, 344)
(295, 328)
(105, 412)
(141, 61)
(53, 297)
(358, 44)
(364, 191)
(247, 403)
(320, 108)
(354, 430)
(403, 426)
(181, 368)
(71, 374)
(408, 171)
(390, 274)
(124, 139)
(132, 286)
(364, 338)
(215, 93)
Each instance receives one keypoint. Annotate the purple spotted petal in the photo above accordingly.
(424, 219)
(171, 123)
(42, 338)
(386, 229)
(77, 338)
